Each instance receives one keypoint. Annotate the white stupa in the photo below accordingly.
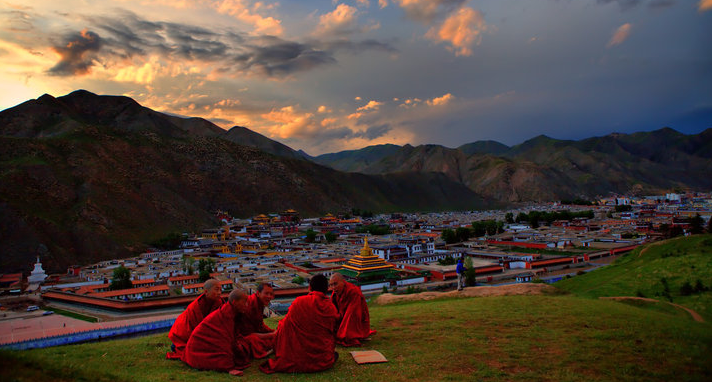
(38, 274)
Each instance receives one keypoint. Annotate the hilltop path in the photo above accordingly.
(695, 316)
(482, 291)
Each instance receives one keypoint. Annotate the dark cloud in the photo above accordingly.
(127, 35)
(77, 53)
(357, 46)
(274, 57)
(374, 132)
(630, 4)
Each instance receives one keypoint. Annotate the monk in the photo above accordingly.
(216, 343)
(253, 321)
(205, 304)
(305, 340)
(354, 320)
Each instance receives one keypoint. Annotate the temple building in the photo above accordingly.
(367, 268)
(38, 274)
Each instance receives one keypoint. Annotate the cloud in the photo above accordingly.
(626, 5)
(462, 29)
(129, 40)
(426, 11)
(371, 105)
(382, 3)
(340, 21)
(356, 47)
(410, 102)
(247, 11)
(620, 35)
(363, 3)
(705, 5)
(440, 101)
(279, 58)
(288, 122)
(374, 132)
(77, 54)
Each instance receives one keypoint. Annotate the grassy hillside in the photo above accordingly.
(515, 338)
(646, 271)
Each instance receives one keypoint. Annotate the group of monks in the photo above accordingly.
(212, 334)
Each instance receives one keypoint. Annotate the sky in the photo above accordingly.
(325, 76)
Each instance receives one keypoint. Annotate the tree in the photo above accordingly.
(330, 237)
(696, 224)
(311, 236)
(462, 233)
(205, 268)
(709, 225)
(298, 280)
(509, 217)
(121, 279)
(470, 273)
(188, 265)
(449, 236)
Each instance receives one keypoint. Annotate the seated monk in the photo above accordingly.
(305, 336)
(253, 320)
(216, 343)
(354, 321)
(205, 304)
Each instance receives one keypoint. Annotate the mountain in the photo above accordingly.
(545, 169)
(484, 147)
(244, 136)
(93, 177)
(356, 160)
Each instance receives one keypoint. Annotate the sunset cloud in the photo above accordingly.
(371, 105)
(248, 12)
(288, 122)
(426, 11)
(77, 53)
(705, 5)
(620, 35)
(341, 20)
(462, 30)
(439, 101)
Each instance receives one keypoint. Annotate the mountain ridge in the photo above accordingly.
(92, 178)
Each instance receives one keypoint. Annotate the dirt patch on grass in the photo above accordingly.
(483, 291)
(695, 316)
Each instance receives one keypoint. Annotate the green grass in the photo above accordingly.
(641, 273)
(71, 314)
(514, 338)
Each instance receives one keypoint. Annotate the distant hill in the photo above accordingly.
(484, 147)
(357, 160)
(650, 270)
(98, 177)
(546, 169)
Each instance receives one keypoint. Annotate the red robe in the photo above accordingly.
(305, 337)
(216, 344)
(252, 322)
(355, 323)
(187, 321)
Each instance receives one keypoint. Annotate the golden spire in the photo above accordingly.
(365, 251)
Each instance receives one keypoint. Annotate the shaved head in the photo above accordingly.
(237, 295)
(210, 284)
(337, 282)
(212, 289)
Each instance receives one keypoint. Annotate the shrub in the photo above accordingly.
(686, 289)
